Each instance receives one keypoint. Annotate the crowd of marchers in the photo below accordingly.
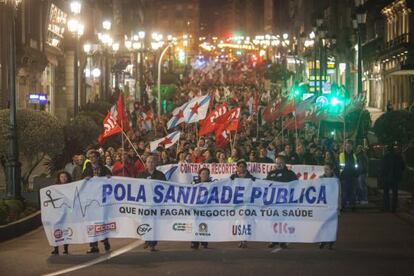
(238, 85)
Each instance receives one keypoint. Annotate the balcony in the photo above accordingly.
(399, 44)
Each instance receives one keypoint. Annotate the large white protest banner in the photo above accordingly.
(225, 210)
(187, 172)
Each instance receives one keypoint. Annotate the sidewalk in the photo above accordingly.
(405, 201)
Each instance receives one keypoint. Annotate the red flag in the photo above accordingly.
(111, 127)
(288, 106)
(230, 120)
(120, 108)
(222, 138)
(272, 111)
(209, 123)
(291, 124)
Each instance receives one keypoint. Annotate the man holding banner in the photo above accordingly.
(96, 168)
(242, 172)
(281, 174)
(151, 173)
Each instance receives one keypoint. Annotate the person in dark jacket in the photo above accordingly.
(362, 190)
(349, 174)
(203, 176)
(242, 172)
(281, 174)
(151, 173)
(96, 168)
(263, 158)
(390, 174)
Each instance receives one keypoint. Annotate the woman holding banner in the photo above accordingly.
(62, 177)
(329, 172)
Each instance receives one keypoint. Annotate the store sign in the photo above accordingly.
(37, 98)
(56, 26)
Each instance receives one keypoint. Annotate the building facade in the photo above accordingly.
(389, 55)
(177, 18)
(45, 52)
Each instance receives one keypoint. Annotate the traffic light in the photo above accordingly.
(298, 89)
(334, 101)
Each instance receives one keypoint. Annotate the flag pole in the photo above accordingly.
(123, 149)
(296, 122)
(344, 124)
(319, 128)
(234, 142)
(257, 124)
(178, 147)
(132, 145)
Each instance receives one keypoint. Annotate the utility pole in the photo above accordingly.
(13, 164)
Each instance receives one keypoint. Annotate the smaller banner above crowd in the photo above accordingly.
(227, 210)
(187, 172)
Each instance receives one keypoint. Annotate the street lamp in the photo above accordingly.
(107, 42)
(137, 43)
(13, 165)
(321, 33)
(361, 17)
(77, 29)
(75, 7)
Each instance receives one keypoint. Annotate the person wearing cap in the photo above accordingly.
(281, 174)
(242, 172)
(96, 168)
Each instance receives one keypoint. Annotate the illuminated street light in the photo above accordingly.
(87, 48)
(106, 24)
(96, 72)
(73, 25)
(115, 47)
(128, 44)
(77, 29)
(75, 7)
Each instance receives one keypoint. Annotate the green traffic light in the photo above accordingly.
(296, 92)
(334, 101)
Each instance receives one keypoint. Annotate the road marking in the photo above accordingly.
(99, 259)
(276, 250)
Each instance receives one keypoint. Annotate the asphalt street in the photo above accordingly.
(369, 243)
